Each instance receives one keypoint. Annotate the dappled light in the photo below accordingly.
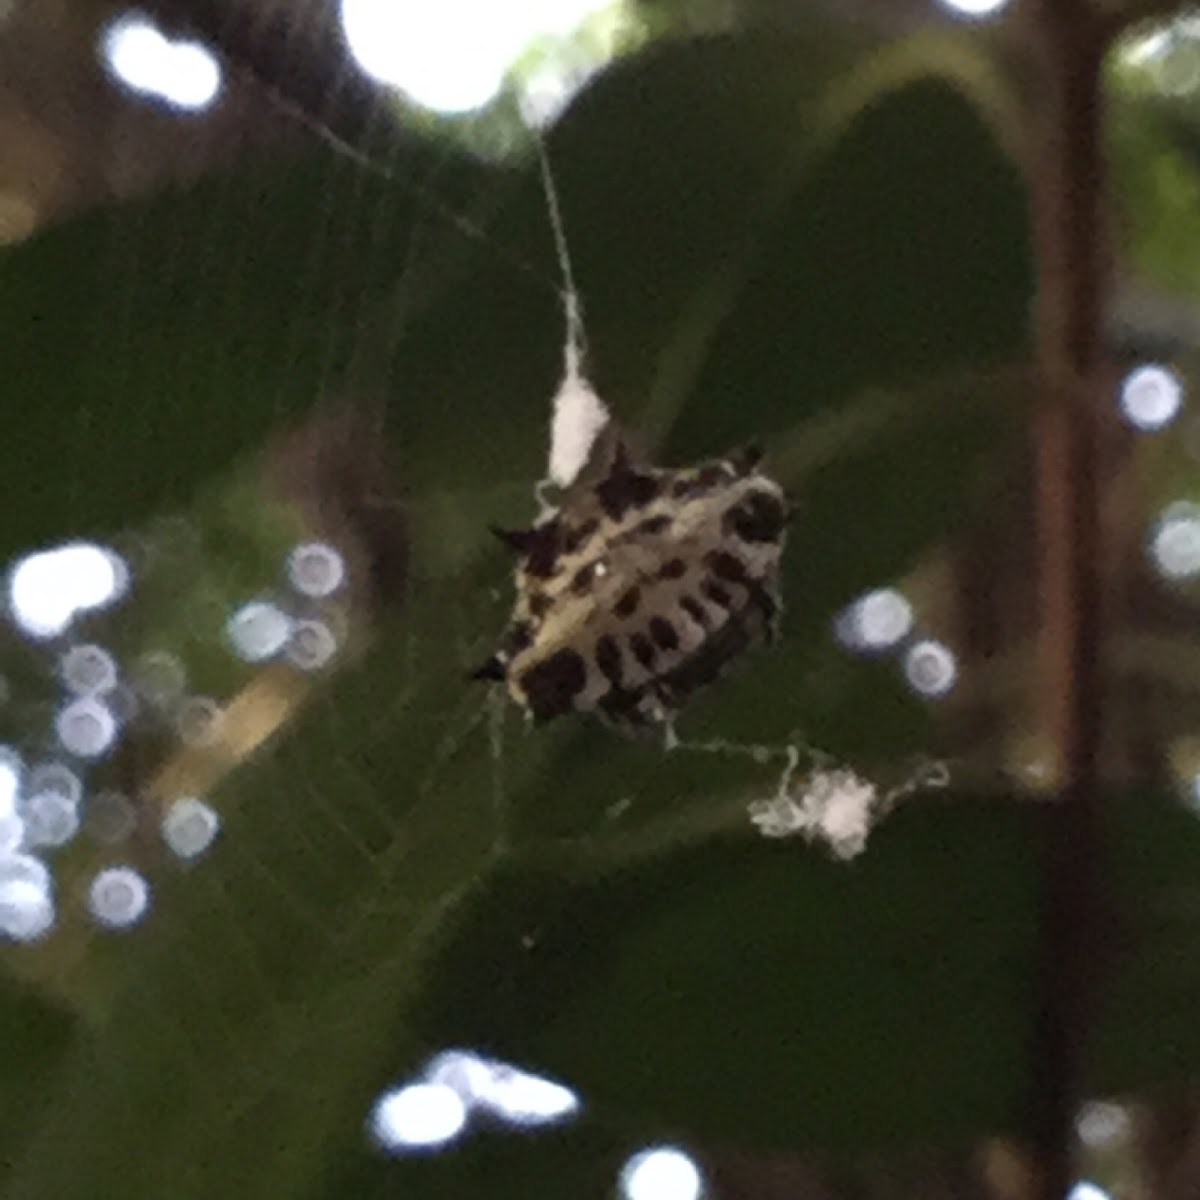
(662, 1173)
(420, 48)
(311, 646)
(49, 819)
(118, 897)
(1175, 542)
(190, 826)
(876, 621)
(419, 1116)
(87, 669)
(977, 9)
(503, 1092)
(86, 727)
(1101, 1122)
(26, 897)
(930, 668)
(184, 74)
(316, 569)
(258, 631)
(1150, 397)
(49, 589)
(1089, 1191)
(1166, 54)
(600, 600)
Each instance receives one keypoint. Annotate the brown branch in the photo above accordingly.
(1072, 290)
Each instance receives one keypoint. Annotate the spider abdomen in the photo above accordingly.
(642, 588)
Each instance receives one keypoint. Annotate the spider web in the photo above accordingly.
(360, 876)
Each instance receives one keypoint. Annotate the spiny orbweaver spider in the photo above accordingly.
(641, 587)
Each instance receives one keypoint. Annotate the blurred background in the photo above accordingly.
(290, 908)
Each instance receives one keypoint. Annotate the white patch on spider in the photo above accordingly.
(578, 415)
(578, 419)
(837, 807)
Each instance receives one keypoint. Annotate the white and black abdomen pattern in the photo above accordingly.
(641, 589)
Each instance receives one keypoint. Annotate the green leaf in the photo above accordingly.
(280, 985)
(806, 993)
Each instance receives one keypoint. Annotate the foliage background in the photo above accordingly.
(818, 232)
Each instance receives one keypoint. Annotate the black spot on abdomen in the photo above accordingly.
(583, 579)
(652, 525)
(627, 605)
(608, 659)
(695, 610)
(708, 662)
(717, 594)
(552, 685)
(663, 633)
(726, 566)
(642, 649)
(758, 517)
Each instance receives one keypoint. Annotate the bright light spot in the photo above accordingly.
(1150, 48)
(548, 92)
(10, 780)
(258, 631)
(110, 817)
(1088, 1191)
(49, 589)
(198, 721)
(160, 677)
(118, 897)
(86, 728)
(514, 1096)
(1175, 542)
(316, 569)
(12, 833)
(661, 1173)
(26, 903)
(184, 74)
(975, 8)
(520, 1098)
(451, 56)
(467, 1074)
(876, 621)
(88, 669)
(25, 868)
(26, 911)
(189, 827)
(1150, 397)
(312, 645)
(1101, 1122)
(1178, 71)
(930, 668)
(420, 1116)
(195, 77)
(50, 819)
(56, 779)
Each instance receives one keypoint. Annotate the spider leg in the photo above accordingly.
(492, 671)
(745, 458)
